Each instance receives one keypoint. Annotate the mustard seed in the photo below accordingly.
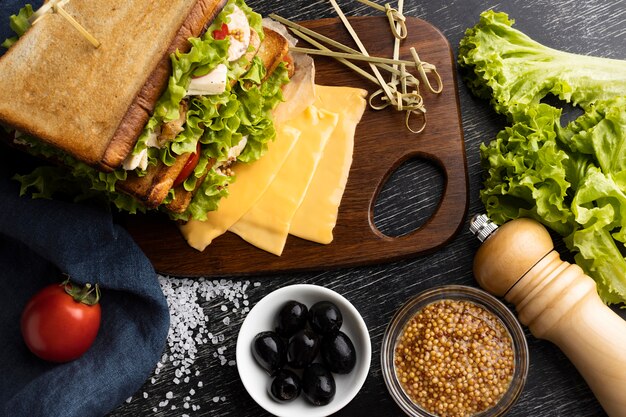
(479, 358)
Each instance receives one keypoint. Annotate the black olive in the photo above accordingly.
(325, 317)
(291, 318)
(338, 353)
(270, 351)
(302, 349)
(285, 386)
(318, 384)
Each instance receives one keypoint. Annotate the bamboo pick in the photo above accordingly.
(344, 61)
(357, 40)
(393, 15)
(396, 43)
(356, 57)
(345, 57)
(410, 101)
(312, 34)
(424, 76)
(60, 10)
(57, 7)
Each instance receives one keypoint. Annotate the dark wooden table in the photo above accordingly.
(554, 387)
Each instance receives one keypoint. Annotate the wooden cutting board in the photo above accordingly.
(382, 143)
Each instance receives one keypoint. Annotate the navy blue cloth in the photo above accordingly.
(40, 239)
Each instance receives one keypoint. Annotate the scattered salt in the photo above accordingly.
(191, 327)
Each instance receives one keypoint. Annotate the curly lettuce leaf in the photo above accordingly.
(572, 178)
(253, 118)
(514, 71)
(208, 196)
(50, 181)
(19, 23)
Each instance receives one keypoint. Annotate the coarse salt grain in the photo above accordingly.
(189, 329)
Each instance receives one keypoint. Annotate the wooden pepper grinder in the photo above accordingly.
(557, 301)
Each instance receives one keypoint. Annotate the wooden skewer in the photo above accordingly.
(358, 57)
(57, 7)
(60, 10)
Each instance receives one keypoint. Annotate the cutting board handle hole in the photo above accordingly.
(408, 197)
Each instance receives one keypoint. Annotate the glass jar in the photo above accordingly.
(461, 295)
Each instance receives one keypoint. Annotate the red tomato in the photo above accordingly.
(61, 321)
(221, 33)
(190, 165)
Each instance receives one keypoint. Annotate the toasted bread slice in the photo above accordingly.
(46, 73)
(272, 52)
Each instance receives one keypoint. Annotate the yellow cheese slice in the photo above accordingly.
(316, 217)
(266, 225)
(251, 182)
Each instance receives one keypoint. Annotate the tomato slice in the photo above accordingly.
(190, 165)
(222, 33)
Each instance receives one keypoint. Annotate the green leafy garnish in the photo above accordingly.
(19, 23)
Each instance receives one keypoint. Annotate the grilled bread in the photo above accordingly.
(46, 73)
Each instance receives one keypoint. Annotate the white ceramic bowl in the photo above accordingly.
(262, 317)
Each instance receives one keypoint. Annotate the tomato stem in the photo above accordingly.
(88, 294)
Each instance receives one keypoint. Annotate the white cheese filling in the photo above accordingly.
(210, 84)
(136, 161)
